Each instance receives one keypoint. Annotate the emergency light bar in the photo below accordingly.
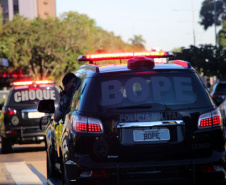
(125, 55)
(182, 63)
(43, 82)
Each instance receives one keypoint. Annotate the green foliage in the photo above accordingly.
(138, 42)
(207, 13)
(221, 38)
(178, 50)
(48, 48)
(208, 60)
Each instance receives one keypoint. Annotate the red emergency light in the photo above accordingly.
(14, 74)
(125, 55)
(182, 63)
(22, 83)
(43, 82)
(38, 82)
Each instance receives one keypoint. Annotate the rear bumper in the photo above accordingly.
(22, 135)
(85, 161)
(170, 178)
(189, 170)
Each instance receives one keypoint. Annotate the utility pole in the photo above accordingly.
(193, 21)
(215, 22)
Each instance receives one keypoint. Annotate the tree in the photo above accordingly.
(49, 48)
(178, 50)
(208, 60)
(138, 42)
(103, 41)
(207, 13)
(221, 38)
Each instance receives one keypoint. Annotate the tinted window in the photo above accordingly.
(158, 92)
(15, 7)
(5, 9)
(221, 88)
(32, 96)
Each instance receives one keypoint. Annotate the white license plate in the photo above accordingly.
(35, 114)
(151, 135)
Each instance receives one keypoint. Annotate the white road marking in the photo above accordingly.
(22, 174)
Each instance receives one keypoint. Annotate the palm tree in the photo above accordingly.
(137, 41)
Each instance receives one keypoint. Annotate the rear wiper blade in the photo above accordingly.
(141, 106)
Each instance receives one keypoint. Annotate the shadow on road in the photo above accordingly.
(26, 148)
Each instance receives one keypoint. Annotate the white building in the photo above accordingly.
(28, 8)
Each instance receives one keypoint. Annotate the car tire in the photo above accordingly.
(6, 145)
(65, 180)
(64, 177)
(51, 172)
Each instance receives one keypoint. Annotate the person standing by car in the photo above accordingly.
(69, 83)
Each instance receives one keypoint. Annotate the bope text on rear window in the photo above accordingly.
(33, 95)
(177, 90)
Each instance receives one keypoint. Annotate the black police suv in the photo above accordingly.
(20, 118)
(137, 121)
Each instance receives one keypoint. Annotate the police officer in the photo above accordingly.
(69, 83)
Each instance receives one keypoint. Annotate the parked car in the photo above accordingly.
(20, 118)
(218, 92)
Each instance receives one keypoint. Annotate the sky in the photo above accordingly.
(163, 24)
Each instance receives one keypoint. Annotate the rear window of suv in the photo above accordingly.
(158, 91)
(32, 96)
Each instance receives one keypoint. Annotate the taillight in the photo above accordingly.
(10, 111)
(216, 95)
(81, 126)
(208, 168)
(94, 128)
(210, 119)
(100, 173)
(86, 125)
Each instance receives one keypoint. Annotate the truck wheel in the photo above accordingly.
(51, 172)
(6, 145)
(64, 176)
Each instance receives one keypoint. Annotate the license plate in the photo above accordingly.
(35, 114)
(151, 135)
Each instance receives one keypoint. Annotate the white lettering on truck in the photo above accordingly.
(27, 95)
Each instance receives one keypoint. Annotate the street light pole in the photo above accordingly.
(193, 21)
(215, 22)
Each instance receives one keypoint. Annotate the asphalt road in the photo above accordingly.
(26, 165)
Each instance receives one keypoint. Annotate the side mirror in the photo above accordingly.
(46, 106)
(44, 120)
